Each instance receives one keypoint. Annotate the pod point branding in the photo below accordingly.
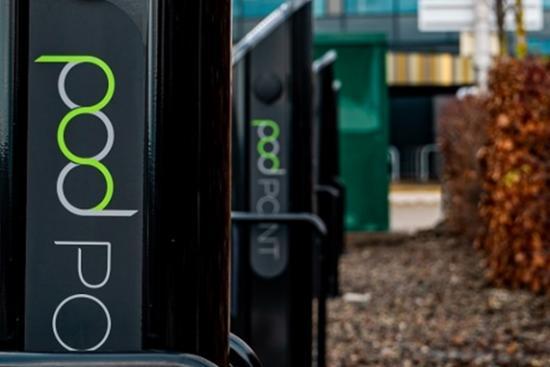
(76, 111)
(268, 251)
(86, 135)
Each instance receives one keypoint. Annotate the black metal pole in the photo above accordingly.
(13, 77)
(301, 197)
(187, 307)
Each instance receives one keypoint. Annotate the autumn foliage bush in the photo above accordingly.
(461, 136)
(515, 166)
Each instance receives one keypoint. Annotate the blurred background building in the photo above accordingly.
(421, 71)
(422, 68)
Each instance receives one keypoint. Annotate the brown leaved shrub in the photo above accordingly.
(515, 163)
(461, 136)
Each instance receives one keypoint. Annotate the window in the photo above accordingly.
(408, 6)
(255, 8)
(369, 6)
(260, 8)
(365, 7)
(335, 7)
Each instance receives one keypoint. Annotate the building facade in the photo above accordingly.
(423, 69)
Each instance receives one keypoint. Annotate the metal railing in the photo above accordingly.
(394, 158)
(423, 155)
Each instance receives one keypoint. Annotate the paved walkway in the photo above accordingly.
(414, 207)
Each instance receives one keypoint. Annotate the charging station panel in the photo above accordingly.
(87, 124)
(273, 215)
(270, 149)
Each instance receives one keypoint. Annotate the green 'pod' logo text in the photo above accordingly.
(92, 110)
(269, 147)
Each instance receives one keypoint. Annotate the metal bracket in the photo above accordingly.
(106, 360)
(241, 355)
(300, 218)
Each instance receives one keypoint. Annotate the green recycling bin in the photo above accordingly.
(361, 69)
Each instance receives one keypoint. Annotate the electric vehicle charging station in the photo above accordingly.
(114, 183)
(273, 193)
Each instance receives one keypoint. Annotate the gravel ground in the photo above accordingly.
(423, 300)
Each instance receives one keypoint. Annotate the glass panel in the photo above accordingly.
(408, 6)
(319, 8)
(260, 8)
(369, 6)
(257, 8)
(381, 6)
(539, 46)
(335, 7)
(237, 9)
